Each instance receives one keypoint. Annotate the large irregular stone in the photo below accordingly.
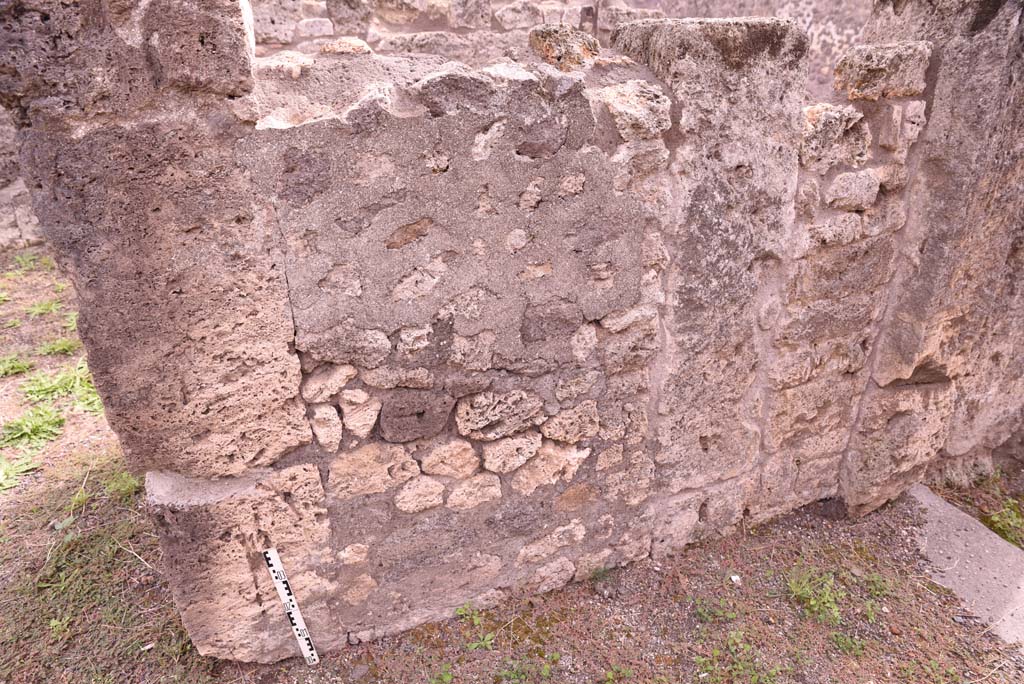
(490, 415)
(455, 459)
(572, 425)
(370, 469)
(507, 454)
(411, 414)
(213, 534)
(552, 463)
(868, 72)
(563, 46)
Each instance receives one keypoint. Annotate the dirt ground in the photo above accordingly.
(806, 599)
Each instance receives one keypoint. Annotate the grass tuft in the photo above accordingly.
(1008, 522)
(40, 424)
(75, 382)
(12, 470)
(43, 308)
(816, 593)
(13, 365)
(64, 346)
(121, 486)
(70, 321)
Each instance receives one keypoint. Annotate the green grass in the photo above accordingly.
(43, 308)
(707, 611)
(75, 382)
(64, 346)
(70, 321)
(849, 645)
(81, 601)
(739, 662)
(13, 323)
(4, 297)
(1008, 522)
(816, 593)
(12, 364)
(442, 676)
(12, 470)
(121, 486)
(38, 425)
(26, 261)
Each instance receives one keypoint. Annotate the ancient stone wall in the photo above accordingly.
(440, 332)
(18, 224)
(479, 32)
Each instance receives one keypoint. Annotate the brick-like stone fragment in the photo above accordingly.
(359, 412)
(469, 14)
(455, 459)
(419, 494)
(508, 453)
(326, 382)
(552, 463)
(640, 109)
(566, 535)
(868, 72)
(519, 14)
(490, 415)
(326, 424)
(563, 46)
(854, 191)
(370, 469)
(474, 491)
(574, 424)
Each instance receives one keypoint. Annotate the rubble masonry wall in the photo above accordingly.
(442, 333)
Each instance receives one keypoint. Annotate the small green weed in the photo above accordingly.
(121, 486)
(4, 297)
(1008, 522)
(79, 499)
(520, 672)
(850, 645)
(65, 346)
(43, 308)
(11, 471)
(877, 585)
(59, 287)
(469, 615)
(59, 627)
(484, 643)
(617, 674)
(13, 323)
(738, 663)
(13, 365)
(36, 426)
(26, 261)
(443, 676)
(816, 593)
(708, 612)
(871, 611)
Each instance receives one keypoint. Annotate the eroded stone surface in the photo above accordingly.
(499, 325)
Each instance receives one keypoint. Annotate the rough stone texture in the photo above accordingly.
(18, 224)
(540, 322)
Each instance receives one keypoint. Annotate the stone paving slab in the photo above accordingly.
(984, 570)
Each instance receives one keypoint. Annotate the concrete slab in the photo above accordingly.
(984, 570)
